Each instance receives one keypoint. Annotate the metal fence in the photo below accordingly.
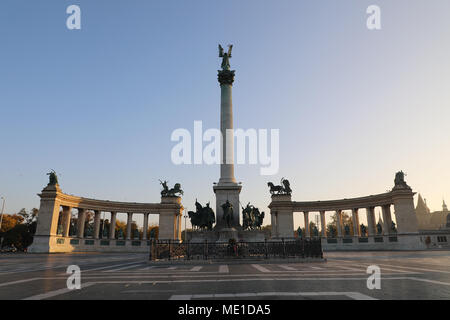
(170, 250)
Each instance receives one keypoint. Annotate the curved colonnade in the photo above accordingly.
(55, 203)
(406, 236)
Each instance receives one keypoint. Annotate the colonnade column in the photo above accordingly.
(306, 218)
(112, 226)
(145, 227)
(339, 222)
(81, 222)
(129, 221)
(355, 219)
(67, 215)
(323, 224)
(387, 219)
(371, 221)
(97, 217)
(274, 223)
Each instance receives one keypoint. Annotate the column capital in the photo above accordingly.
(226, 77)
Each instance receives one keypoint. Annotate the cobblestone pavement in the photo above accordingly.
(404, 275)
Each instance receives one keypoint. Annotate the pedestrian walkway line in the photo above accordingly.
(197, 268)
(348, 268)
(394, 268)
(171, 268)
(17, 282)
(224, 269)
(124, 268)
(412, 268)
(352, 295)
(430, 281)
(317, 268)
(146, 268)
(58, 292)
(110, 266)
(260, 268)
(285, 267)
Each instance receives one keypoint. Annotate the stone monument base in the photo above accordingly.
(225, 234)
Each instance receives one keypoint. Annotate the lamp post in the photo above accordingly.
(185, 229)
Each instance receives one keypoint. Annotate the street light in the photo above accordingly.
(185, 229)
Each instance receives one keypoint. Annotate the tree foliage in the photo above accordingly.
(18, 229)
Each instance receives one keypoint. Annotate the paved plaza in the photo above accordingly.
(404, 275)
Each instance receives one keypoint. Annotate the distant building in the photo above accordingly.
(436, 220)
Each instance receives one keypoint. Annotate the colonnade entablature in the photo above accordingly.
(55, 203)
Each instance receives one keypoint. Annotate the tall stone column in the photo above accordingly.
(371, 221)
(67, 217)
(97, 217)
(227, 188)
(145, 227)
(81, 222)
(129, 221)
(339, 223)
(323, 224)
(306, 219)
(112, 226)
(387, 219)
(355, 219)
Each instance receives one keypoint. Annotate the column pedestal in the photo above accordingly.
(282, 214)
(223, 193)
(168, 218)
(47, 223)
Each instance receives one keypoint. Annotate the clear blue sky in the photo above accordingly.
(99, 104)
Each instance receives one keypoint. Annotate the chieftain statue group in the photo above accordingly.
(204, 218)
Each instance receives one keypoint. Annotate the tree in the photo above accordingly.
(153, 232)
(331, 230)
(20, 229)
(122, 226)
(346, 219)
(10, 221)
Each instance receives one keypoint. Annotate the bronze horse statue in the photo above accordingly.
(174, 192)
(284, 188)
(203, 218)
